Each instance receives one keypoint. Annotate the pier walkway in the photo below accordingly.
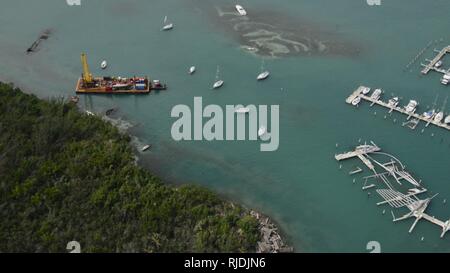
(432, 63)
(358, 93)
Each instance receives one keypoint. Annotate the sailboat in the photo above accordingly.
(264, 73)
(191, 70)
(167, 26)
(218, 83)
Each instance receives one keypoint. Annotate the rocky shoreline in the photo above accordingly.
(271, 238)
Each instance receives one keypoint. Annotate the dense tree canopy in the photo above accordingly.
(67, 176)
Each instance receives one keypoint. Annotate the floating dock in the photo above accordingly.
(432, 63)
(358, 93)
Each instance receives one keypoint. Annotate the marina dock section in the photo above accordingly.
(432, 64)
(359, 93)
(391, 186)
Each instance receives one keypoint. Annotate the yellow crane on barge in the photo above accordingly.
(88, 84)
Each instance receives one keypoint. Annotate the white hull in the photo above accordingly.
(263, 76)
(356, 101)
(145, 148)
(241, 10)
(104, 64)
(192, 70)
(167, 27)
(439, 116)
(218, 84)
(447, 120)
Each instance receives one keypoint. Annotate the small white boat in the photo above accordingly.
(366, 90)
(191, 70)
(438, 64)
(262, 131)
(411, 107)
(264, 73)
(439, 117)
(393, 102)
(167, 25)
(241, 10)
(104, 64)
(145, 148)
(242, 110)
(262, 76)
(376, 94)
(447, 120)
(356, 101)
(218, 83)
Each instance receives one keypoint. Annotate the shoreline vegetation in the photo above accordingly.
(66, 176)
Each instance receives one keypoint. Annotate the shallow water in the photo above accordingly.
(300, 185)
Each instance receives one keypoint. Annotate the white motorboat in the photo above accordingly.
(145, 148)
(438, 64)
(241, 10)
(376, 94)
(104, 64)
(411, 107)
(366, 90)
(262, 131)
(356, 101)
(447, 120)
(439, 117)
(167, 25)
(218, 83)
(393, 102)
(192, 70)
(242, 110)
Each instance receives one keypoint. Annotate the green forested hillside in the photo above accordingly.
(67, 176)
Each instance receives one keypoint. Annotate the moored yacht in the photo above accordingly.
(376, 94)
(411, 107)
(366, 90)
(356, 101)
(393, 102)
(439, 116)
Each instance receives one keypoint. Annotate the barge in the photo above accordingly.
(88, 84)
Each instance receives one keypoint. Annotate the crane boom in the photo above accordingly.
(87, 76)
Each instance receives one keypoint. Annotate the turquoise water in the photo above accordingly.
(300, 185)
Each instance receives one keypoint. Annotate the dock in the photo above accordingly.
(358, 93)
(395, 198)
(431, 65)
(360, 152)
